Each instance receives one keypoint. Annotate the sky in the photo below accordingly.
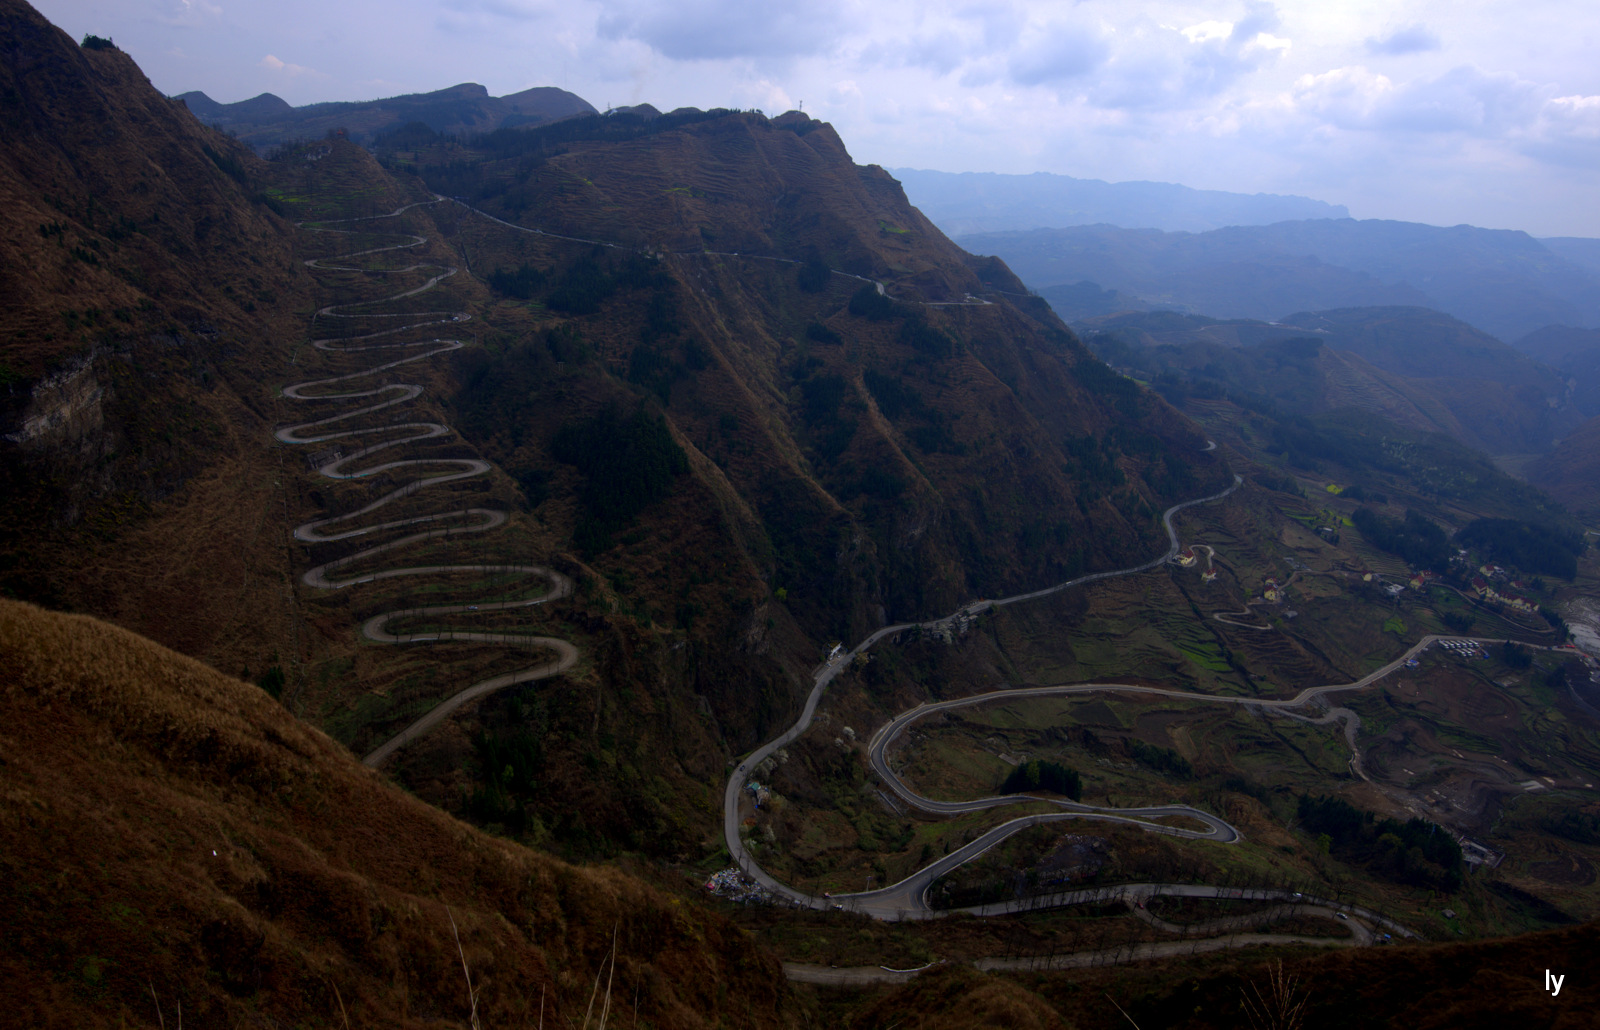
(1486, 113)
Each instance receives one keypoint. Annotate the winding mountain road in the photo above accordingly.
(907, 899)
(443, 525)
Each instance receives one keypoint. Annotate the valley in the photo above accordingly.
(648, 541)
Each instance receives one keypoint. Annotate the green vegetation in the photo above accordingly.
(523, 282)
(1040, 775)
(1162, 759)
(1515, 656)
(93, 42)
(822, 334)
(627, 464)
(814, 275)
(1415, 852)
(1531, 548)
(1579, 827)
(868, 303)
(1417, 539)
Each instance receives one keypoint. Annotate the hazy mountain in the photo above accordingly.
(266, 121)
(1504, 283)
(978, 202)
(1573, 352)
(1418, 368)
(1571, 472)
(1580, 250)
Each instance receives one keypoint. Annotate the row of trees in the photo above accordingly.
(1416, 852)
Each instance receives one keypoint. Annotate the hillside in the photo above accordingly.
(1419, 369)
(149, 282)
(609, 484)
(976, 202)
(850, 457)
(1506, 284)
(175, 837)
(1571, 472)
(837, 457)
(1573, 352)
(267, 121)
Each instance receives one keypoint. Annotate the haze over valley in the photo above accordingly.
(478, 554)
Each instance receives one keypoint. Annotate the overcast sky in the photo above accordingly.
(1479, 112)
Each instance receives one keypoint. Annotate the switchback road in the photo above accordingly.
(430, 472)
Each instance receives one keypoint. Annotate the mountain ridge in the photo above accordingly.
(1503, 282)
(266, 121)
(963, 203)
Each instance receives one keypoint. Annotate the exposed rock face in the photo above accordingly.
(64, 410)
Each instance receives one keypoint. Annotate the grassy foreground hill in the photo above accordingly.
(175, 837)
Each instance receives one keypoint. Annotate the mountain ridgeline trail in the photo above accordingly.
(432, 472)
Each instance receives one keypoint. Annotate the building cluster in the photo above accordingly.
(1488, 592)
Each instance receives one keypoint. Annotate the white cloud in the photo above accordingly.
(190, 13)
(1057, 52)
(1208, 30)
(1411, 39)
(698, 30)
(281, 67)
(1462, 99)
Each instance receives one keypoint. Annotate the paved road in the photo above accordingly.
(905, 900)
(355, 524)
(1241, 931)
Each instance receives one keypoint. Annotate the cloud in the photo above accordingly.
(1159, 67)
(1411, 39)
(701, 30)
(1567, 133)
(293, 71)
(1465, 100)
(1058, 52)
(190, 13)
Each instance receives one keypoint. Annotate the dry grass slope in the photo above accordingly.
(167, 826)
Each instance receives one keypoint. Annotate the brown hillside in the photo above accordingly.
(170, 829)
(123, 215)
(148, 284)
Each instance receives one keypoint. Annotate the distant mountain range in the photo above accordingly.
(1505, 283)
(1418, 368)
(267, 120)
(977, 202)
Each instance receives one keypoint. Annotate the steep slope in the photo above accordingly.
(832, 457)
(1575, 353)
(1505, 402)
(1420, 369)
(936, 422)
(149, 283)
(176, 838)
(1571, 472)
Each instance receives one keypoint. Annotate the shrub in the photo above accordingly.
(814, 275)
(1039, 775)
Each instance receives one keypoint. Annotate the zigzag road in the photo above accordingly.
(906, 899)
(446, 524)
